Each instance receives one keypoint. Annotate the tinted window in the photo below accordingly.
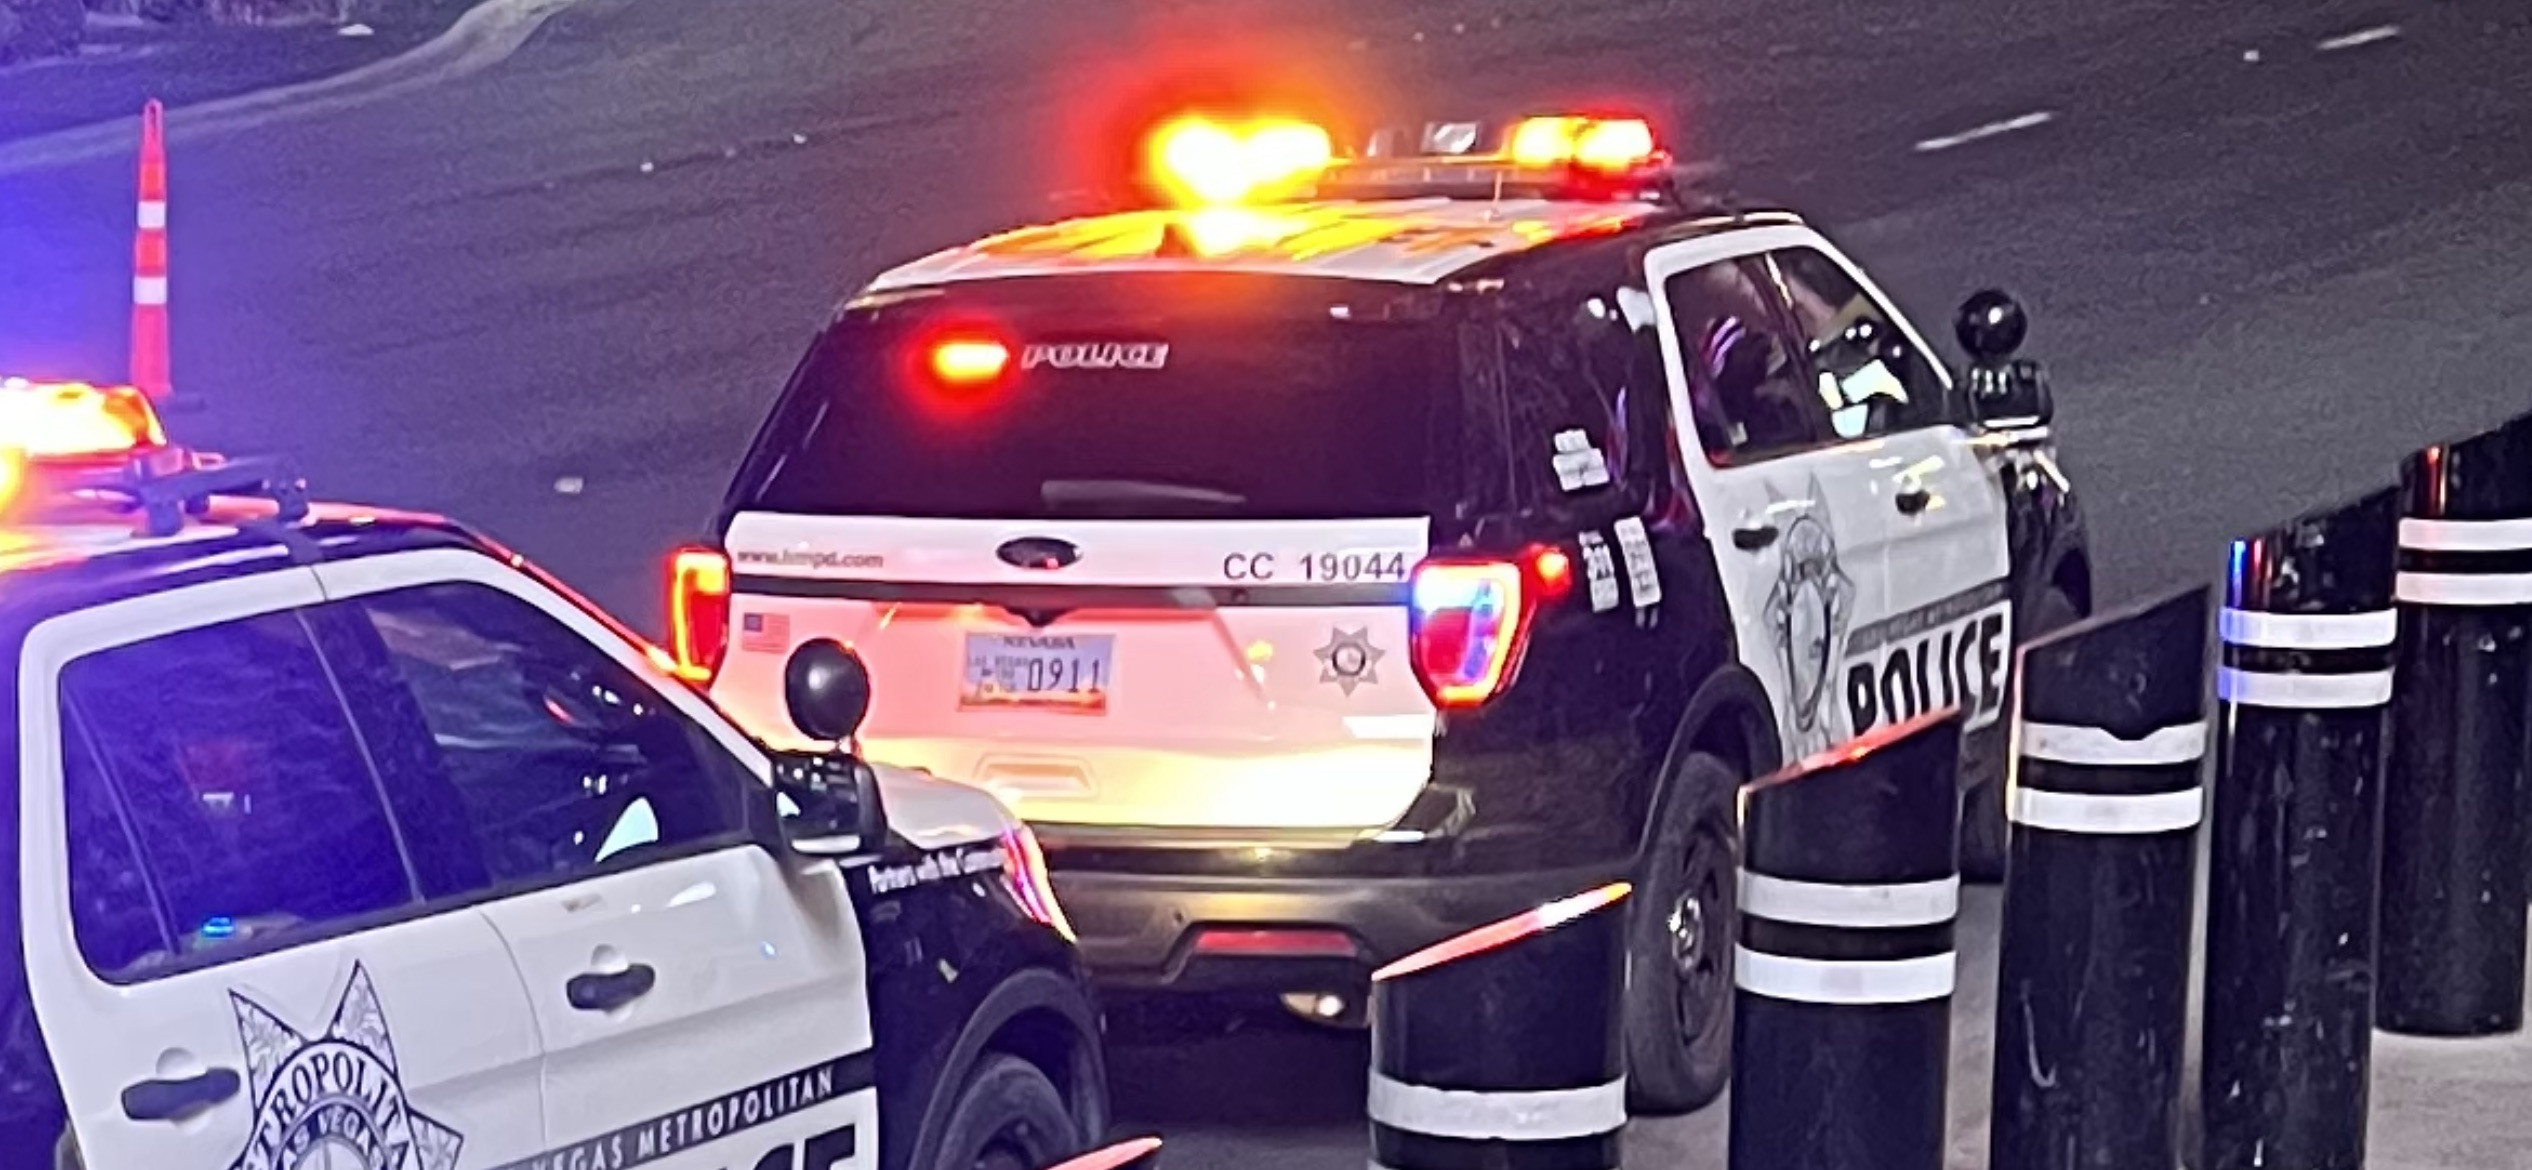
(1749, 384)
(1583, 387)
(1880, 383)
(1212, 396)
(230, 757)
(114, 911)
(517, 752)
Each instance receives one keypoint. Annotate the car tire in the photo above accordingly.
(1984, 833)
(1681, 928)
(1009, 1116)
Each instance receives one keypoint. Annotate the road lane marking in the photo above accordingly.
(1990, 130)
(2364, 36)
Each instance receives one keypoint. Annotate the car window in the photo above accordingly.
(239, 779)
(521, 752)
(1749, 385)
(1583, 389)
(114, 911)
(1874, 379)
(1133, 396)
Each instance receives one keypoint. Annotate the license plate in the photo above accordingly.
(1056, 672)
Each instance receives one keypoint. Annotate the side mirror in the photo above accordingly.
(2005, 392)
(828, 805)
(827, 688)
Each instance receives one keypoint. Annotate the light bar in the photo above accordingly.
(1202, 162)
(74, 422)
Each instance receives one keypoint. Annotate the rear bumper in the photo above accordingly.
(1217, 932)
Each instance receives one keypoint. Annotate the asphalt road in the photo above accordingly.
(2271, 249)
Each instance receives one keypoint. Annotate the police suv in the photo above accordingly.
(342, 839)
(1349, 551)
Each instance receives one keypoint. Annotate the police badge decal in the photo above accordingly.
(334, 1101)
(1808, 609)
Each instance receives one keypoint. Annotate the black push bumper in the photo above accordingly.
(1149, 928)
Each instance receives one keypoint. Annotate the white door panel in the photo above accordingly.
(1949, 641)
(754, 1029)
(416, 1033)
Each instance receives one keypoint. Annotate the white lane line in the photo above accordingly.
(1990, 130)
(2362, 36)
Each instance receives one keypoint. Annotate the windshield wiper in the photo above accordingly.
(1064, 493)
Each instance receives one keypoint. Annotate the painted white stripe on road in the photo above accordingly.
(149, 290)
(1843, 981)
(2464, 588)
(2307, 692)
(2363, 36)
(1544, 1115)
(2101, 813)
(2466, 535)
(153, 216)
(2096, 748)
(2310, 631)
(1865, 906)
(1990, 130)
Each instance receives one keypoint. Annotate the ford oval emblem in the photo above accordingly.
(1038, 552)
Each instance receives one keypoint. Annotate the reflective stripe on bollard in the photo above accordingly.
(2093, 979)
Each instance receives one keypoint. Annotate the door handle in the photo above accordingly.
(1912, 500)
(173, 1099)
(1754, 536)
(607, 992)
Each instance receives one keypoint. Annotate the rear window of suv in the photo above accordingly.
(1128, 396)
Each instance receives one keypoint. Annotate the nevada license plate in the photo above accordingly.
(1059, 672)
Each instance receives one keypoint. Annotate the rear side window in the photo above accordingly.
(234, 772)
(1130, 397)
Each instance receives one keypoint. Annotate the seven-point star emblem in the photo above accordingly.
(334, 1101)
(1349, 659)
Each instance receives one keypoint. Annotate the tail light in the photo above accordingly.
(698, 611)
(1469, 621)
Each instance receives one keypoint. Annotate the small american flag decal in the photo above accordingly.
(765, 633)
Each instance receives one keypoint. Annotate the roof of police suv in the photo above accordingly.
(1405, 241)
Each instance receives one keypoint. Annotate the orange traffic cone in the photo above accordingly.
(149, 262)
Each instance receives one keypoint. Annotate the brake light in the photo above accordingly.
(1204, 163)
(969, 361)
(698, 611)
(1468, 621)
(76, 422)
(1024, 869)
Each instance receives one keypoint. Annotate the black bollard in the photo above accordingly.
(1500, 1049)
(2297, 837)
(1843, 1000)
(2453, 868)
(2092, 986)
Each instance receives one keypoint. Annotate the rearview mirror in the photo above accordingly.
(2005, 392)
(828, 804)
(827, 688)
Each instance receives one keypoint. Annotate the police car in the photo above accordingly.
(1338, 552)
(343, 839)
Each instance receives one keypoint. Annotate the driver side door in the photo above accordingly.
(1795, 512)
(701, 1002)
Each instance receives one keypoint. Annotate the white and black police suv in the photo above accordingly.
(1361, 549)
(340, 839)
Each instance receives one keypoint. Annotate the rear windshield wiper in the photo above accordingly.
(1076, 493)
